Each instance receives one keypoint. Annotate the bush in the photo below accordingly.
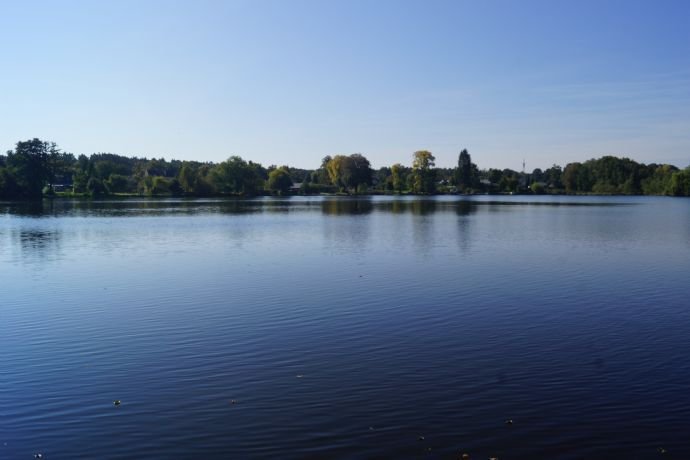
(537, 188)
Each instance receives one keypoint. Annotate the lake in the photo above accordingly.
(348, 328)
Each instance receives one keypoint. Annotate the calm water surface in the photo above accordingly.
(346, 328)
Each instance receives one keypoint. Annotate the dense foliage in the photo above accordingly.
(36, 168)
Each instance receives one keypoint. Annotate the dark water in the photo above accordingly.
(346, 328)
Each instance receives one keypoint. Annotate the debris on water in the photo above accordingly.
(38, 455)
(661, 450)
(117, 402)
(465, 456)
(509, 421)
(299, 376)
(421, 438)
(233, 401)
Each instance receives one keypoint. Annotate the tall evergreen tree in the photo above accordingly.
(463, 176)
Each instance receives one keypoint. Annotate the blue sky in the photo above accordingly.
(288, 82)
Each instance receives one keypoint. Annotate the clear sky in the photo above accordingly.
(290, 81)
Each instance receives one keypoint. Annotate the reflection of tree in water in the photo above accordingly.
(37, 243)
(427, 206)
(402, 206)
(338, 207)
(423, 223)
(24, 208)
(426, 224)
(423, 230)
(423, 207)
(350, 232)
(132, 207)
(395, 206)
(464, 209)
(239, 206)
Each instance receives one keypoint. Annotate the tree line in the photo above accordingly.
(36, 168)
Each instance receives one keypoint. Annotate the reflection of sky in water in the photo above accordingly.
(33, 233)
(434, 315)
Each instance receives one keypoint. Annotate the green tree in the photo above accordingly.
(160, 186)
(29, 164)
(509, 181)
(79, 181)
(537, 188)
(279, 181)
(423, 172)
(360, 174)
(577, 177)
(203, 185)
(397, 177)
(321, 175)
(537, 175)
(236, 176)
(94, 187)
(553, 175)
(8, 184)
(187, 178)
(335, 168)
(464, 173)
(349, 172)
(495, 175)
(382, 179)
(680, 183)
(117, 183)
(658, 181)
